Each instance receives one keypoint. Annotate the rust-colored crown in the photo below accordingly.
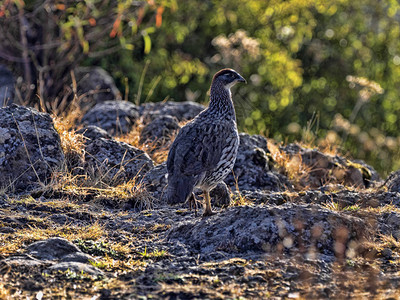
(223, 71)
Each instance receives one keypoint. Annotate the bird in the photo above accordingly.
(204, 151)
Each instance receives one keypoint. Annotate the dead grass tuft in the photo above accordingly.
(13, 242)
(157, 150)
(4, 292)
(292, 167)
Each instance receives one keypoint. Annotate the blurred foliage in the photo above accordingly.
(324, 72)
(44, 41)
(299, 58)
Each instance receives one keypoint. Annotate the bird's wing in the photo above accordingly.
(197, 149)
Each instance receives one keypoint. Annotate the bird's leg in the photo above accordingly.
(193, 203)
(207, 206)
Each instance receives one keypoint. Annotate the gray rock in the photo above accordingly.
(116, 117)
(271, 229)
(327, 169)
(96, 85)
(30, 148)
(252, 170)
(7, 229)
(52, 248)
(7, 89)
(156, 180)
(78, 257)
(21, 261)
(93, 132)
(389, 224)
(159, 131)
(77, 267)
(393, 182)
(115, 162)
(220, 195)
(60, 218)
(181, 110)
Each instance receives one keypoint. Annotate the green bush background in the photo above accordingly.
(296, 55)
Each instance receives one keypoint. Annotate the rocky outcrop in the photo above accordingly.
(180, 110)
(7, 89)
(96, 86)
(30, 148)
(324, 168)
(113, 162)
(270, 229)
(115, 117)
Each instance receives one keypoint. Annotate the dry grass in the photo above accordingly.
(292, 167)
(13, 242)
(157, 150)
(4, 292)
(72, 143)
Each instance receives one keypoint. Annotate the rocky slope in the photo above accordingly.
(88, 220)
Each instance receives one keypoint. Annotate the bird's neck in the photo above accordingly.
(221, 100)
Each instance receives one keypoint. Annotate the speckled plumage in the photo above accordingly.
(204, 151)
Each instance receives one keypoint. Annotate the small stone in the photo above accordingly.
(76, 267)
(78, 257)
(52, 248)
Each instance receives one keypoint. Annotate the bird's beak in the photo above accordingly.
(241, 79)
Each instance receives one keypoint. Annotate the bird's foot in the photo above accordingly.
(192, 201)
(208, 213)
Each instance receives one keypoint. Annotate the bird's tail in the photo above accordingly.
(179, 189)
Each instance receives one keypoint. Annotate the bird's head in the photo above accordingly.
(228, 78)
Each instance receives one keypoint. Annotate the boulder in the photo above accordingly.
(30, 148)
(274, 229)
(327, 169)
(252, 167)
(96, 85)
(180, 110)
(52, 249)
(7, 89)
(159, 131)
(116, 117)
(115, 162)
